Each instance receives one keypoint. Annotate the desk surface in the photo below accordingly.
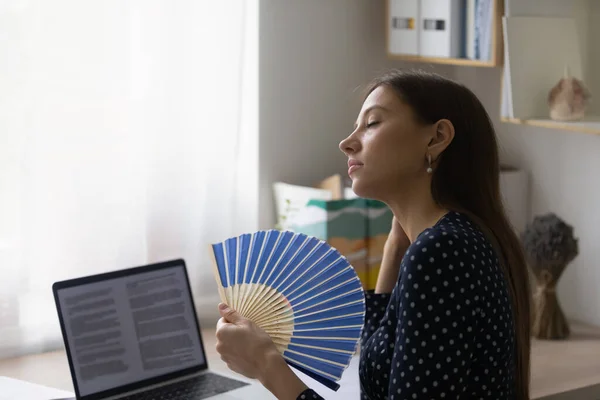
(559, 369)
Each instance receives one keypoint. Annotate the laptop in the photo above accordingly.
(133, 334)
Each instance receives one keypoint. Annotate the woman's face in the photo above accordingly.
(387, 151)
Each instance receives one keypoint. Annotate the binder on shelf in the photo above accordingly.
(484, 22)
(470, 51)
(441, 28)
(403, 29)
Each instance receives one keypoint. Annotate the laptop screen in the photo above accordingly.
(131, 328)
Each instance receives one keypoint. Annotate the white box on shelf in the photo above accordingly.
(539, 49)
(441, 28)
(506, 110)
(403, 27)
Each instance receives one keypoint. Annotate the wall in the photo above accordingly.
(562, 169)
(119, 144)
(314, 56)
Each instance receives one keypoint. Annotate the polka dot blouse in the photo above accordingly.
(445, 331)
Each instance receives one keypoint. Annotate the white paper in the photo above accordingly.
(507, 107)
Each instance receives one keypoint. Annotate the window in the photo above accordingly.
(128, 135)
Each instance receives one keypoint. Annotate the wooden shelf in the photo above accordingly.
(441, 60)
(590, 125)
(581, 11)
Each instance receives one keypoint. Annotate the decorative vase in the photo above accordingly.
(549, 321)
(568, 99)
(549, 246)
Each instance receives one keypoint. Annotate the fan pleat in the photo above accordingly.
(341, 332)
(310, 366)
(263, 257)
(257, 243)
(278, 253)
(288, 254)
(349, 302)
(305, 281)
(301, 291)
(346, 308)
(230, 254)
(275, 307)
(327, 356)
(319, 343)
(319, 256)
(240, 271)
(341, 290)
(355, 319)
(295, 261)
(327, 281)
(328, 363)
(316, 364)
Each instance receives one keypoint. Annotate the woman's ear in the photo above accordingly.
(442, 137)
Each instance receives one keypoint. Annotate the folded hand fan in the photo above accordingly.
(301, 291)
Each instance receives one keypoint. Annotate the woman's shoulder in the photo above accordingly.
(454, 239)
(445, 263)
(453, 229)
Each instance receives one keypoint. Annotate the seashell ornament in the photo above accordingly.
(568, 99)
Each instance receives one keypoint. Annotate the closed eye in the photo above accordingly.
(371, 124)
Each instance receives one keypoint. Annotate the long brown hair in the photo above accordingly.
(466, 179)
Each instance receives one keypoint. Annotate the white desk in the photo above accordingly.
(17, 389)
(52, 369)
(560, 370)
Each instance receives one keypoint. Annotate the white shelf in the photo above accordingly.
(589, 124)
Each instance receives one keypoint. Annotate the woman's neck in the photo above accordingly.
(416, 213)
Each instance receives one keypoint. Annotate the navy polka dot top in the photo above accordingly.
(446, 330)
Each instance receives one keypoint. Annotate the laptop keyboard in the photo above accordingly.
(196, 388)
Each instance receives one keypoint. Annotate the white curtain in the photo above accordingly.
(128, 135)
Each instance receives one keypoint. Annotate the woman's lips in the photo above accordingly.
(353, 168)
(353, 165)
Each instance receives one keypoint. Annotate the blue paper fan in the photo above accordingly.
(301, 291)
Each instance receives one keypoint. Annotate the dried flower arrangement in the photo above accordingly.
(549, 247)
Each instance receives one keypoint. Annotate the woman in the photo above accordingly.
(449, 316)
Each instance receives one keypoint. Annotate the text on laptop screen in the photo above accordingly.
(131, 328)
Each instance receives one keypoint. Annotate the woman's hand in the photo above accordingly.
(397, 238)
(395, 246)
(242, 345)
(248, 350)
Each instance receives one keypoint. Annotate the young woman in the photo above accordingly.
(449, 317)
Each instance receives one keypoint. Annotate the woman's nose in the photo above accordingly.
(348, 145)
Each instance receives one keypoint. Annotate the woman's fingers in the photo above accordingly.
(221, 323)
(225, 330)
